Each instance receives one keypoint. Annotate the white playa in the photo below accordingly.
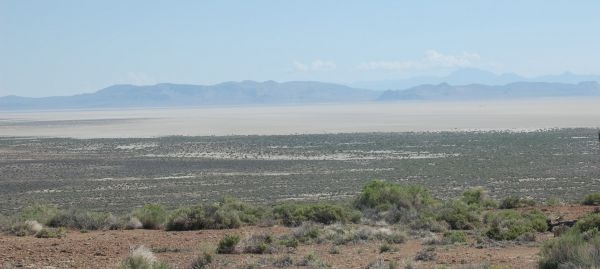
(521, 115)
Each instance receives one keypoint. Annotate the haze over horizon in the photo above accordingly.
(45, 53)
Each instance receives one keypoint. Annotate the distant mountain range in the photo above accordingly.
(467, 76)
(515, 90)
(228, 93)
(298, 92)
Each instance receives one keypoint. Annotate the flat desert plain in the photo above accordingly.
(517, 115)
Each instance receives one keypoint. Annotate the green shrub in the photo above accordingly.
(6, 222)
(572, 250)
(289, 242)
(396, 215)
(510, 224)
(307, 232)
(133, 223)
(294, 214)
(383, 195)
(478, 196)
(459, 215)
(579, 247)
(311, 260)
(381, 264)
(589, 222)
(84, 220)
(429, 222)
(385, 248)
(344, 234)
(201, 262)
(186, 218)
(227, 244)
(26, 228)
(395, 237)
(553, 201)
(38, 212)
(592, 199)
(515, 202)
(259, 244)
(426, 254)
(52, 233)
(142, 258)
(454, 237)
(152, 216)
(284, 261)
(230, 213)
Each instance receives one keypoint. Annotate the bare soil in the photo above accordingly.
(105, 249)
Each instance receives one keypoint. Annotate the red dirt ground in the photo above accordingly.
(105, 249)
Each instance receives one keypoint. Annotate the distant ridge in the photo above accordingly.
(515, 90)
(228, 93)
(295, 92)
(465, 76)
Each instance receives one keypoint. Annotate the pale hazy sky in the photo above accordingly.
(64, 47)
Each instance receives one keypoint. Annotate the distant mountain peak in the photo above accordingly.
(293, 92)
(465, 76)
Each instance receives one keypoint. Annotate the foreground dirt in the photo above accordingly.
(105, 249)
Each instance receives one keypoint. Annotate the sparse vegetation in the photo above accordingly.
(592, 199)
(283, 261)
(228, 244)
(454, 237)
(259, 244)
(515, 202)
(426, 254)
(230, 213)
(83, 220)
(312, 261)
(511, 224)
(383, 196)
(294, 214)
(307, 232)
(381, 264)
(51, 233)
(478, 196)
(381, 214)
(186, 218)
(202, 261)
(459, 215)
(30, 227)
(152, 216)
(385, 248)
(577, 248)
(142, 258)
(39, 212)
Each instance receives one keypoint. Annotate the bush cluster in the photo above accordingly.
(459, 215)
(294, 214)
(478, 197)
(454, 237)
(515, 202)
(383, 195)
(592, 199)
(51, 233)
(259, 244)
(228, 213)
(142, 258)
(152, 216)
(227, 244)
(510, 224)
(579, 247)
(83, 220)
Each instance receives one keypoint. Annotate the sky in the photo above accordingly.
(64, 47)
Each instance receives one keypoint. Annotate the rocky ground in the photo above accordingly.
(105, 249)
